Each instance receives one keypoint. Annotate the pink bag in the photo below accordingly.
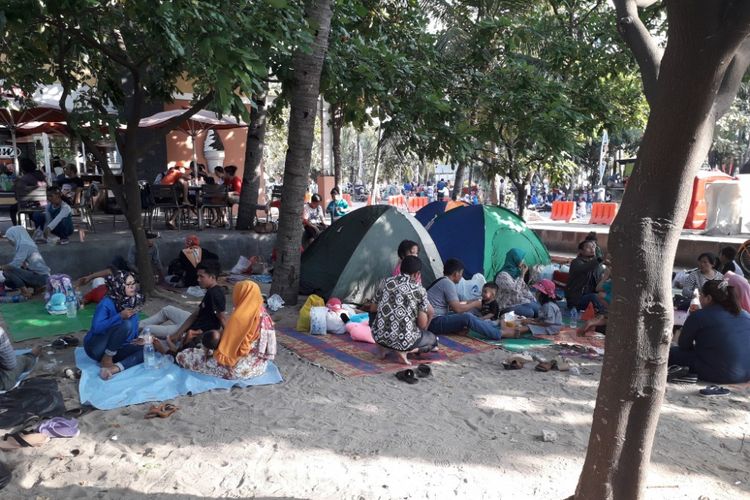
(360, 332)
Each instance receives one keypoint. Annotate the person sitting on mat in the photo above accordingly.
(186, 265)
(57, 218)
(247, 343)
(12, 365)
(186, 328)
(451, 315)
(715, 340)
(115, 326)
(549, 321)
(27, 272)
(489, 311)
(513, 292)
(403, 313)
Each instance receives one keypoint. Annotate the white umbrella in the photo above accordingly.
(200, 121)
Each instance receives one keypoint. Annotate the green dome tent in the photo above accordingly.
(481, 235)
(349, 259)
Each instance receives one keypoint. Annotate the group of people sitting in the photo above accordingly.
(206, 340)
(409, 318)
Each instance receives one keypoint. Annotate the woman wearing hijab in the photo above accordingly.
(246, 345)
(513, 294)
(27, 272)
(190, 257)
(115, 326)
(741, 289)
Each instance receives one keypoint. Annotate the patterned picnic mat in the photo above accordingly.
(346, 357)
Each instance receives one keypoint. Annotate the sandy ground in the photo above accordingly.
(472, 431)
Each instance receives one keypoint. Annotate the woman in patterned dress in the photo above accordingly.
(247, 343)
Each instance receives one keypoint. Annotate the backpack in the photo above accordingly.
(60, 283)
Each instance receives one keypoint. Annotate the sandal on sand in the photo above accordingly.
(714, 390)
(407, 376)
(513, 364)
(5, 475)
(59, 427)
(562, 364)
(681, 375)
(66, 341)
(18, 440)
(162, 411)
(424, 371)
(546, 366)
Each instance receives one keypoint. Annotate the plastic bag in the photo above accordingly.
(509, 319)
(471, 289)
(360, 332)
(303, 322)
(243, 263)
(195, 291)
(275, 302)
(318, 315)
(334, 323)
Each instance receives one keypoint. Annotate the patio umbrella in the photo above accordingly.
(200, 121)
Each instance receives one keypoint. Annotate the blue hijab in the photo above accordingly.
(513, 258)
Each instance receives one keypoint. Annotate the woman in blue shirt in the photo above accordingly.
(115, 326)
(715, 341)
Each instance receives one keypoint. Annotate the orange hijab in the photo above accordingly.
(243, 327)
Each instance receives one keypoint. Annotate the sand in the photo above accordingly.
(472, 430)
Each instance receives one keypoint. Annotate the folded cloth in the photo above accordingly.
(137, 385)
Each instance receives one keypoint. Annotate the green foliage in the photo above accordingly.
(221, 48)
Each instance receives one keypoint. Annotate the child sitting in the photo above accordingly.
(549, 321)
(489, 310)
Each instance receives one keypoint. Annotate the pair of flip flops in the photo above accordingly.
(161, 411)
(560, 364)
(681, 375)
(410, 377)
(60, 427)
(714, 390)
(65, 341)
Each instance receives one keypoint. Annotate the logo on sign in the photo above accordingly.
(9, 152)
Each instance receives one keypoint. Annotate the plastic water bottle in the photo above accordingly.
(71, 306)
(695, 303)
(149, 355)
(574, 317)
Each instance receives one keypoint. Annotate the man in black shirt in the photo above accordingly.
(585, 272)
(188, 327)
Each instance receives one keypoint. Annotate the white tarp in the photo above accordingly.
(723, 208)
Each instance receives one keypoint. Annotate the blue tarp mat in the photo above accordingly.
(137, 385)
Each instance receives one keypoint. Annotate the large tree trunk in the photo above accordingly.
(458, 183)
(256, 135)
(304, 101)
(643, 239)
(336, 124)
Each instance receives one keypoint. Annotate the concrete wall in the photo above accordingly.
(78, 259)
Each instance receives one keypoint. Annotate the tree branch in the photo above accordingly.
(643, 46)
(730, 84)
(170, 124)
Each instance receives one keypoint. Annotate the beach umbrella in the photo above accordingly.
(481, 235)
(199, 122)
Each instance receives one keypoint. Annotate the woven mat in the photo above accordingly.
(346, 357)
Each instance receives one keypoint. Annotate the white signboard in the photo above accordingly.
(9, 152)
